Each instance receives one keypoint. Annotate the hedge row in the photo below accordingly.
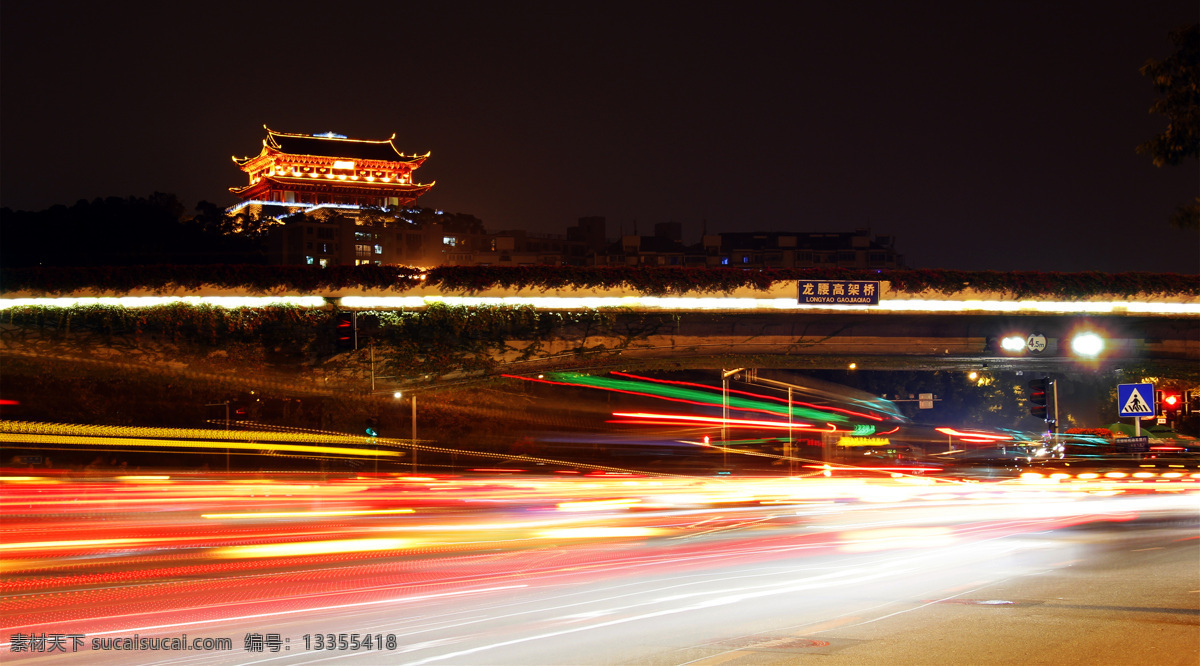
(649, 281)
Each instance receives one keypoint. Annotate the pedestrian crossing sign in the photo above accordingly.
(1136, 399)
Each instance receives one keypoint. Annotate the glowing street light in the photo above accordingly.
(1013, 344)
(1087, 344)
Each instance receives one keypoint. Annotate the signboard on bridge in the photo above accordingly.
(838, 292)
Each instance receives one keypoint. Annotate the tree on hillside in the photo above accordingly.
(1177, 79)
(128, 231)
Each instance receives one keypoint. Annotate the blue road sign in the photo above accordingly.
(1135, 399)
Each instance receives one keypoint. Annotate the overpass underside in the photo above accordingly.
(831, 341)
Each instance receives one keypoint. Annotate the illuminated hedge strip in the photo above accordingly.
(649, 280)
(682, 303)
(655, 303)
(229, 302)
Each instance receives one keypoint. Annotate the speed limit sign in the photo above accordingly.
(1036, 343)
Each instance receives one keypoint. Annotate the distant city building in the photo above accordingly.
(765, 249)
(301, 172)
(346, 238)
(783, 249)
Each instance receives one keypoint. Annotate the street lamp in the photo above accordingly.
(1013, 344)
(1087, 344)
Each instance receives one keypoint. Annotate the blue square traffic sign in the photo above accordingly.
(1135, 399)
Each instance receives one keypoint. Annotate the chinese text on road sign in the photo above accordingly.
(838, 292)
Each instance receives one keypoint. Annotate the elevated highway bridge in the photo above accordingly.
(771, 328)
(429, 337)
(580, 329)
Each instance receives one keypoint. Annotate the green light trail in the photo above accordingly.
(694, 395)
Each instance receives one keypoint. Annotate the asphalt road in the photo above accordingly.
(989, 578)
(1119, 595)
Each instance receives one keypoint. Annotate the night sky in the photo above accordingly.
(982, 135)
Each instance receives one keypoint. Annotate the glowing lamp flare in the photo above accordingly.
(1087, 344)
(1013, 344)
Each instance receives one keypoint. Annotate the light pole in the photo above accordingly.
(226, 405)
(725, 375)
(791, 439)
(397, 395)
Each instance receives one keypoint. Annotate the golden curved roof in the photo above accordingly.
(336, 146)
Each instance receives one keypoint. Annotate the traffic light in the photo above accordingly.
(1040, 391)
(372, 428)
(344, 331)
(1169, 403)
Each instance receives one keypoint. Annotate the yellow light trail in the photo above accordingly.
(138, 432)
(178, 444)
(311, 548)
(59, 432)
(83, 543)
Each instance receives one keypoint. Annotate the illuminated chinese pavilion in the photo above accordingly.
(303, 172)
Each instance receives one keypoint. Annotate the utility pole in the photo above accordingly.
(787, 450)
(725, 375)
(226, 405)
(1056, 416)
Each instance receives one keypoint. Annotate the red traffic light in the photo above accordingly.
(1039, 390)
(1171, 402)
